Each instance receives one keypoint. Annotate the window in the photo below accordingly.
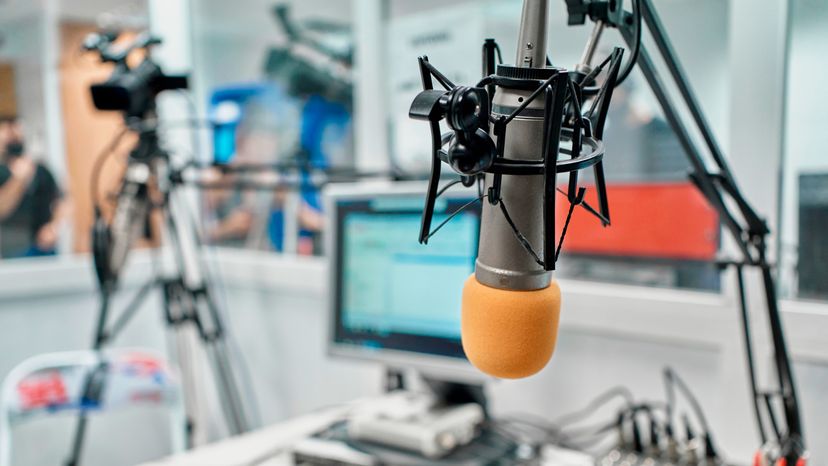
(804, 190)
(279, 79)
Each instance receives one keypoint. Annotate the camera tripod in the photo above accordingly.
(187, 299)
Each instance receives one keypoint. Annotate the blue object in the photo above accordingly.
(326, 127)
(34, 251)
(227, 109)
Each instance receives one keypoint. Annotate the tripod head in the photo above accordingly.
(131, 90)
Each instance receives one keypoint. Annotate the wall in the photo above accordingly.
(276, 308)
(48, 306)
(8, 96)
(22, 46)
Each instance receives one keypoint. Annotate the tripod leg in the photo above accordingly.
(212, 341)
(196, 434)
(97, 344)
(227, 387)
(213, 336)
(77, 442)
(195, 296)
(180, 343)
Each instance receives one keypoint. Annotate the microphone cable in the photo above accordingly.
(636, 47)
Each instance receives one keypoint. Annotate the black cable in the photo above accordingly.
(655, 435)
(589, 78)
(672, 379)
(453, 214)
(671, 403)
(654, 425)
(97, 167)
(637, 441)
(636, 47)
(109, 150)
(555, 430)
(447, 187)
(572, 206)
(519, 236)
(689, 433)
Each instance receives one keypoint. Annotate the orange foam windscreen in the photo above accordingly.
(509, 334)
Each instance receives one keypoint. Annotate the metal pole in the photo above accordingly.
(782, 358)
(740, 279)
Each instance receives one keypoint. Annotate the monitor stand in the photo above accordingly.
(446, 393)
(426, 418)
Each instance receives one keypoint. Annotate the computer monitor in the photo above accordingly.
(393, 300)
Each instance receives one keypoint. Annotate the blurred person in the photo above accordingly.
(326, 141)
(30, 199)
(277, 128)
(231, 211)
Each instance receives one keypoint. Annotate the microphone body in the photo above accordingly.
(503, 262)
(511, 305)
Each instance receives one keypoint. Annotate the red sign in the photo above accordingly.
(42, 391)
(656, 220)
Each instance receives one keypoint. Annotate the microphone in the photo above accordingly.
(513, 133)
(511, 305)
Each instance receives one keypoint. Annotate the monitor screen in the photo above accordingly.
(392, 292)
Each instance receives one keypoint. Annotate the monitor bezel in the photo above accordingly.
(444, 367)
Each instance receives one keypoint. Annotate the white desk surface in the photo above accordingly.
(264, 447)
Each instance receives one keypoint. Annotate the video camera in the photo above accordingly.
(129, 90)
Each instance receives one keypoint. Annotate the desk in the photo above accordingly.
(271, 446)
(264, 447)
